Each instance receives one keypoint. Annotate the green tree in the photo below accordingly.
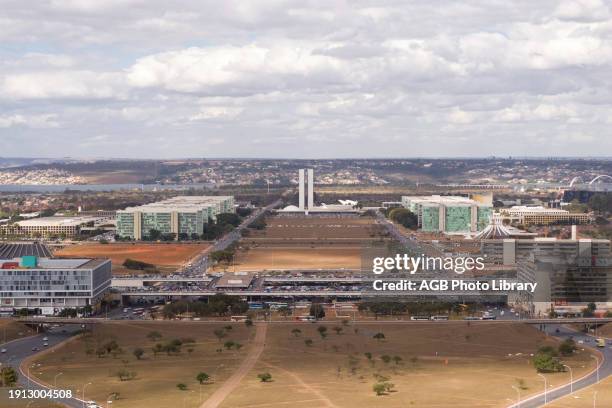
(308, 342)
(265, 377)
(202, 377)
(181, 386)
(379, 336)
(379, 388)
(404, 217)
(567, 347)
(322, 331)
(138, 353)
(296, 332)
(546, 360)
(9, 376)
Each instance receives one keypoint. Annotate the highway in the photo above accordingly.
(19, 350)
(604, 370)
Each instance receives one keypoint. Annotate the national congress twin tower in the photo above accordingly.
(177, 215)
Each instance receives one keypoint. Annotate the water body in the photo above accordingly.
(60, 188)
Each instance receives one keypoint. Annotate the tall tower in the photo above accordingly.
(301, 189)
(310, 189)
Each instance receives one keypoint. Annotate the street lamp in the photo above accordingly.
(596, 366)
(55, 380)
(84, 393)
(518, 392)
(545, 389)
(571, 378)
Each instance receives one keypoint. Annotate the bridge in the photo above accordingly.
(137, 281)
(590, 183)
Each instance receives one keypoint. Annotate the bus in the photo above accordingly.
(439, 317)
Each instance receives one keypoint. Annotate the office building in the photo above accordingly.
(538, 215)
(177, 215)
(55, 226)
(52, 284)
(511, 251)
(566, 283)
(448, 214)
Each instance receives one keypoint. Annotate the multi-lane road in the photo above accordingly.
(19, 350)
(604, 369)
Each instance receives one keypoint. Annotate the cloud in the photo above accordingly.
(44, 121)
(368, 78)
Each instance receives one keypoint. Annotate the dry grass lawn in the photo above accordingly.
(297, 258)
(11, 330)
(155, 385)
(440, 364)
(167, 257)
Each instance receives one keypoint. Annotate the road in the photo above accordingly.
(247, 364)
(605, 369)
(19, 350)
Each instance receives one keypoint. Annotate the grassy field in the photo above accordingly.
(297, 258)
(308, 243)
(155, 383)
(319, 228)
(11, 330)
(166, 257)
(470, 366)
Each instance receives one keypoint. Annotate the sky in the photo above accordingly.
(305, 79)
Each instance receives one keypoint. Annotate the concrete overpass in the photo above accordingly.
(129, 282)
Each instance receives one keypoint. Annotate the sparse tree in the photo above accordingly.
(202, 377)
(322, 331)
(296, 332)
(181, 386)
(379, 336)
(379, 388)
(337, 329)
(265, 377)
(138, 353)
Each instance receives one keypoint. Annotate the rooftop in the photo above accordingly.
(446, 200)
(17, 250)
(57, 221)
(182, 203)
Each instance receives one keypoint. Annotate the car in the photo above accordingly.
(46, 344)
(34, 348)
(3, 351)
(45, 339)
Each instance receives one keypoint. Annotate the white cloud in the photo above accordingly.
(256, 78)
(32, 121)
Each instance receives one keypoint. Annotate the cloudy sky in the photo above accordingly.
(149, 78)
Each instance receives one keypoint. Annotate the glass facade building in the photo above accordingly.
(449, 214)
(53, 284)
